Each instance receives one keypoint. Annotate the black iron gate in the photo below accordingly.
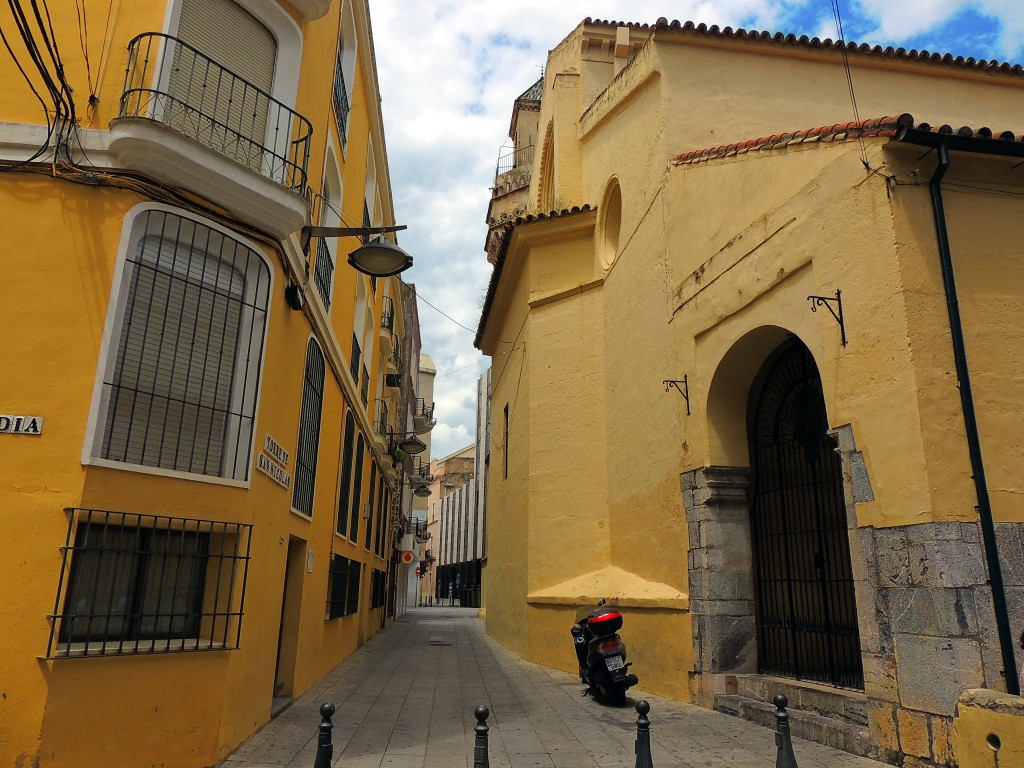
(807, 616)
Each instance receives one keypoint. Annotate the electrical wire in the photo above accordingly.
(836, 13)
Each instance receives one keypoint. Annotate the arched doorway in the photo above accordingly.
(804, 590)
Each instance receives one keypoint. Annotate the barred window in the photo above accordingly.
(135, 583)
(357, 492)
(309, 430)
(180, 389)
(378, 586)
(343, 590)
(340, 98)
(369, 503)
(346, 474)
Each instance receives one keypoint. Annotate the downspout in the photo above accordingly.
(988, 530)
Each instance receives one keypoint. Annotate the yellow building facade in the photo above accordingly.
(734, 330)
(200, 505)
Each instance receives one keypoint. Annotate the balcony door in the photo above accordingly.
(221, 78)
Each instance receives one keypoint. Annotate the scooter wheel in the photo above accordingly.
(617, 695)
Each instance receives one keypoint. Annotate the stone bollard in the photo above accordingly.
(480, 749)
(642, 746)
(785, 757)
(324, 745)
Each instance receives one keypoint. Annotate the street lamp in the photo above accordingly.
(377, 257)
(422, 491)
(409, 444)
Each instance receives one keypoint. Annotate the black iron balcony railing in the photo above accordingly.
(364, 387)
(422, 411)
(387, 314)
(170, 82)
(517, 158)
(421, 470)
(323, 271)
(353, 367)
(339, 98)
(395, 357)
(382, 422)
(418, 528)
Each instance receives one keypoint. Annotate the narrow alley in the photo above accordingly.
(406, 699)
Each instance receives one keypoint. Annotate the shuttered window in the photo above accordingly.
(309, 430)
(228, 114)
(181, 393)
(346, 474)
(357, 491)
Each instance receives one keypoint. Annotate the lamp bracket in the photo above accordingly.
(834, 304)
(310, 231)
(683, 390)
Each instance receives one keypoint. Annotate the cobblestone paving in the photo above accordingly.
(406, 700)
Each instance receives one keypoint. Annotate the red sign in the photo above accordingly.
(408, 558)
(417, 570)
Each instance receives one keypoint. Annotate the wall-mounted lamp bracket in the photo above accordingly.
(682, 390)
(834, 304)
(309, 232)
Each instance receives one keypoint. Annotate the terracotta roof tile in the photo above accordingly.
(879, 127)
(728, 33)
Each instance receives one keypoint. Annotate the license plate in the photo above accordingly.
(614, 662)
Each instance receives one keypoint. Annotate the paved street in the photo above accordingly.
(406, 699)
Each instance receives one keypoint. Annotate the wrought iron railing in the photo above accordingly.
(323, 271)
(340, 99)
(136, 583)
(364, 387)
(387, 314)
(170, 82)
(382, 422)
(517, 158)
(418, 528)
(422, 411)
(354, 359)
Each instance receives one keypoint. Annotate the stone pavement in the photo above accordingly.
(405, 699)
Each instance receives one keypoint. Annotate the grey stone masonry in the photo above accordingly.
(721, 579)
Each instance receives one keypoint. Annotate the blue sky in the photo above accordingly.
(450, 69)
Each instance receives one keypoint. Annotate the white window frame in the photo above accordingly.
(132, 231)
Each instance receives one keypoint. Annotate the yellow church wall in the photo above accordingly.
(870, 382)
(508, 485)
(988, 275)
(810, 90)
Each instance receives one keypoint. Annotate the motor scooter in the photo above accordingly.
(602, 654)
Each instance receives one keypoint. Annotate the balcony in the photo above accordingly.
(423, 417)
(191, 122)
(421, 470)
(394, 359)
(418, 528)
(382, 422)
(513, 171)
(387, 316)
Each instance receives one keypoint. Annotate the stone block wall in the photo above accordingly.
(925, 612)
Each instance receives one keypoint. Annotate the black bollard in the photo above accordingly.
(642, 746)
(785, 757)
(324, 745)
(480, 749)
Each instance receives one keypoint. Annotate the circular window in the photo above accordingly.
(611, 223)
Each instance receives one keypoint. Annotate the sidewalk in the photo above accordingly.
(406, 700)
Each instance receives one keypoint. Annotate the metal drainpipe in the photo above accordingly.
(988, 528)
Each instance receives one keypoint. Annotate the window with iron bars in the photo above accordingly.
(340, 97)
(378, 588)
(343, 589)
(135, 583)
(364, 387)
(180, 390)
(309, 430)
(345, 491)
(357, 352)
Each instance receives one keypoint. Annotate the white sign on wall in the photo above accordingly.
(21, 425)
(274, 472)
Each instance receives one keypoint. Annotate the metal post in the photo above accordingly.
(480, 750)
(324, 745)
(785, 757)
(642, 746)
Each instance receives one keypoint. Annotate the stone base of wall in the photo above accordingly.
(925, 612)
